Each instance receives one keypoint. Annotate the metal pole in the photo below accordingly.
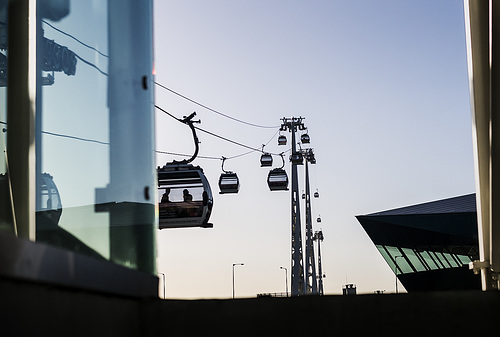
(235, 264)
(286, 280)
(163, 277)
(396, 270)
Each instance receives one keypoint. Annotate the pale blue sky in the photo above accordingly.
(383, 88)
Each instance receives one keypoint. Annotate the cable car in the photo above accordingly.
(50, 201)
(316, 194)
(305, 139)
(229, 183)
(185, 197)
(266, 160)
(318, 219)
(297, 158)
(303, 195)
(277, 180)
(282, 140)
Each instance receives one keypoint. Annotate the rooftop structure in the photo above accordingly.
(429, 245)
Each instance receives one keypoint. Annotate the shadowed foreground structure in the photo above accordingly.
(35, 309)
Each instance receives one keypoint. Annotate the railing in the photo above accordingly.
(274, 295)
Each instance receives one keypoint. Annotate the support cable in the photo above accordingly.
(213, 110)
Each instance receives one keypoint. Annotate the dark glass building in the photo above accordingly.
(429, 245)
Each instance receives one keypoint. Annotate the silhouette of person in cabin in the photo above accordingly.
(165, 196)
(187, 196)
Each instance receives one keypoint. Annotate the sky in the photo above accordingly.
(383, 90)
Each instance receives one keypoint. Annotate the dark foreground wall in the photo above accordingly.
(37, 310)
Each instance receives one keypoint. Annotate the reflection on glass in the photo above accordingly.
(6, 221)
(72, 124)
(95, 130)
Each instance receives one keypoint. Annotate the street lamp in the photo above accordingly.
(236, 264)
(286, 280)
(396, 270)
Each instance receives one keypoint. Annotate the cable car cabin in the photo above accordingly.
(266, 160)
(229, 183)
(185, 197)
(50, 207)
(318, 219)
(305, 139)
(297, 158)
(282, 140)
(316, 194)
(277, 180)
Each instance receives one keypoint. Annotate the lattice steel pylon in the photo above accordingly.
(297, 270)
(318, 236)
(311, 281)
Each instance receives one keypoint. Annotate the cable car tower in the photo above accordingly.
(318, 236)
(292, 125)
(311, 282)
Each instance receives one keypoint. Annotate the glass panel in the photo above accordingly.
(464, 259)
(6, 222)
(453, 261)
(386, 256)
(415, 261)
(401, 262)
(442, 259)
(95, 130)
(428, 259)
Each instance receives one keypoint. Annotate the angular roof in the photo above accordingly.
(462, 204)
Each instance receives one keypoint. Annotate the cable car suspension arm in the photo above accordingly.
(188, 120)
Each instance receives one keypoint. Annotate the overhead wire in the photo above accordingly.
(252, 149)
(74, 38)
(213, 110)
(83, 44)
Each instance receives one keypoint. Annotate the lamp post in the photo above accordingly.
(236, 264)
(163, 277)
(396, 270)
(286, 280)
